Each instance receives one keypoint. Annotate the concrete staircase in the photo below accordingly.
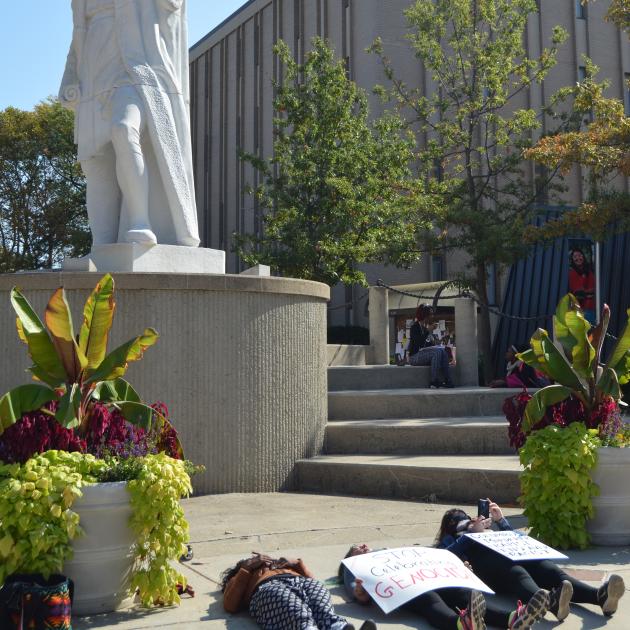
(390, 436)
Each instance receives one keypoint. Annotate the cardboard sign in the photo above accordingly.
(517, 546)
(394, 576)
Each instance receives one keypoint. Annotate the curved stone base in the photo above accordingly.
(240, 363)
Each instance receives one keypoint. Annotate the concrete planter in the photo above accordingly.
(103, 559)
(611, 523)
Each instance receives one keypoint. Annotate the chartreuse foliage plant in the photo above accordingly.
(75, 370)
(160, 526)
(38, 523)
(556, 485)
(572, 360)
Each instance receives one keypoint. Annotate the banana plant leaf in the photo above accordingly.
(544, 356)
(68, 411)
(582, 353)
(15, 403)
(538, 403)
(113, 391)
(598, 335)
(621, 348)
(114, 365)
(561, 332)
(59, 321)
(98, 315)
(40, 345)
(609, 383)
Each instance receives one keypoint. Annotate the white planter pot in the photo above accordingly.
(611, 523)
(102, 562)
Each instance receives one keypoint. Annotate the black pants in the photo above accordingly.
(439, 608)
(522, 579)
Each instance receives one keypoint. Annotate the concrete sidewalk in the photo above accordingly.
(319, 529)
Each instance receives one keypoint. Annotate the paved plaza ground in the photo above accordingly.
(319, 529)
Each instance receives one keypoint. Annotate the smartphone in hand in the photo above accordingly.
(483, 508)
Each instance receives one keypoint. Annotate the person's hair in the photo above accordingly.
(448, 526)
(586, 266)
(423, 311)
(228, 574)
(342, 566)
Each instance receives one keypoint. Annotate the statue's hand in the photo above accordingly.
(70, 96)
(172, 5)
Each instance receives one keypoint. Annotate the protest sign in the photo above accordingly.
(517, 546)
(394, 576)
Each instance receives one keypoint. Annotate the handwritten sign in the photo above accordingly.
(517, 546)
(394, 576)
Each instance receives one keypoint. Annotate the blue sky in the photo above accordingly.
(34, 40)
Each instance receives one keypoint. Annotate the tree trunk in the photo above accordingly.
(485, 344)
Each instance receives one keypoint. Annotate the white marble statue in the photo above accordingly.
(126, 78)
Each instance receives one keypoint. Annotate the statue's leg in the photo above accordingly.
(128, 123)
(102, 197)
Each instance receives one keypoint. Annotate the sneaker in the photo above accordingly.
(471, 618)
(448, 384)
(434, 385)
(609, 594)
(525, 617)
(368, 624)
(559, 600)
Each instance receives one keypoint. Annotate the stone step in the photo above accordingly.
(476, 436)
(460, 402)
(428, 477)
(362, 377)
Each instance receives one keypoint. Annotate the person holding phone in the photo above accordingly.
(454, 608)
(526, 577)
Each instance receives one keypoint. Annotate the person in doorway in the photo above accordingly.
(453, 608)
(582, 283)
(423, 352)
(523, 578)
(281, 594)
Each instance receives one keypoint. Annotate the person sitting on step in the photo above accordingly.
(423, 352)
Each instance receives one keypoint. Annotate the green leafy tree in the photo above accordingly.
(42, 190)
(473, 129)
(336, 190)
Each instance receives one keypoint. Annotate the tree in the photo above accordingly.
(335, 191)
(471, 163)
(602, 146)
(42, 191)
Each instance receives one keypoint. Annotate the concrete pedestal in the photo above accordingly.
(240, 363)
(124, 257)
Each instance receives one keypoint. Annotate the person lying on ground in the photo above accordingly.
(522, 578)
(281, 594)
(453, 608)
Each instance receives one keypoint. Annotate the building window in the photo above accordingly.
(437, 268)
(580, 10)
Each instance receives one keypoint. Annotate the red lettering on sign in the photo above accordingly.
(383, 591)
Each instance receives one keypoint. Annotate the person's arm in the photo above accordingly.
(498, 519)
(458, 546)
(301, 568)
(235, 590)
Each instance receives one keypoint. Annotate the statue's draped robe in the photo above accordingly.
(146, 48)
